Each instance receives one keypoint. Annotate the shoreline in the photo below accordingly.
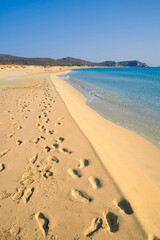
(136, 158)
(99, 108)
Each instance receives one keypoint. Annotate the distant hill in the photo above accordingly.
(69, 61)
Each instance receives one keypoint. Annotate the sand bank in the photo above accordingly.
(53, 184)
(132, 161)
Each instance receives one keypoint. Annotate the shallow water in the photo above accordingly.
(129, 97)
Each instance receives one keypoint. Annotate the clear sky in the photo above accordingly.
(95, 30)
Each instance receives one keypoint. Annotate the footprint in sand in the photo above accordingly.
(80, 195)
(83, 163)
(60, 139)
(46, 171)
(124, 205)
(15, 123)
(96, 224)
(11, 135)
(50, 132)
(95, 182)
(42, 128)
(55, 146)
(2, 167)
(4, 195)
(57, 124)
(65, 150)
(47, 148)
(36, 140)
(47, 120)
(43, 223)
(74, 173)
(48, 174)
(111, 220)
(28, 181)
(53, 159)
(27, 195)
(17, 196)
(4, 152)
(19, 142)
(19, 127)
(34, 158)
(42, 137)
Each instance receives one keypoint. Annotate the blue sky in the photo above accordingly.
(95, 30)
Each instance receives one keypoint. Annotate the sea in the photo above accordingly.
(129, 97)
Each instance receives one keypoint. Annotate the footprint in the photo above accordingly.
(28, 181)
(60, 139)
(111, 220)
(19, 142)
(50, 132)
(36, 140)
(55, 146)
(48, 174)
(5, 195)
(15, 123)
(57, 124)
(46, 171)
(18, 194)
(65, 150)
(47, 120)
(34, 158)
(42, 128)
(4, 152)
(53, 158)
(43, 223)
(81, 195)
(19, 127)
(47, 149)
(96, 224)
(2, 167)
(95, 182)
(124, 205)
(27, 195)
(42, 137)
(11, 135)
(83, 163)
(74, 173)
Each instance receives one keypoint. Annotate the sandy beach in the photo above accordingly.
(66, 172)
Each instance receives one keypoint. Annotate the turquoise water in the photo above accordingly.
(129, 97)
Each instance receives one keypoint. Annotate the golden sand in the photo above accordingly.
(67, 173)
